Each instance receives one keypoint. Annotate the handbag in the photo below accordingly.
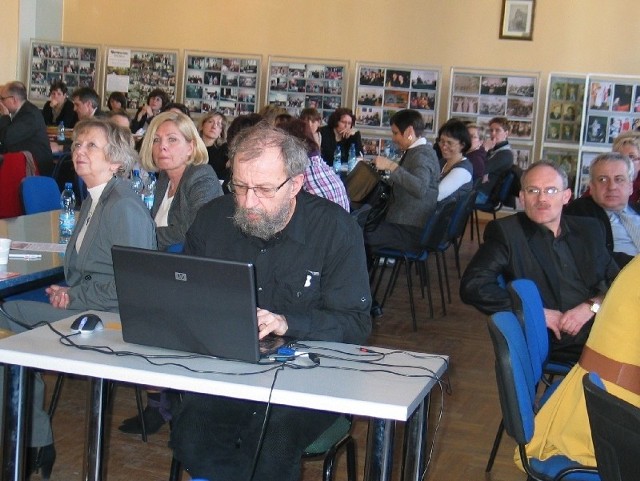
(361, 182)
(378, 199)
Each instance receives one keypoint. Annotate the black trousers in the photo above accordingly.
(216, 438)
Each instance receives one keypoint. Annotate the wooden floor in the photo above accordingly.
(464, 437)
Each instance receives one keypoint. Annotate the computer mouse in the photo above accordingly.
(87, 323)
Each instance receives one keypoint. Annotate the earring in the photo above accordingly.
(410, 137)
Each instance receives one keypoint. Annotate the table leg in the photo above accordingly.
(16, 383)
(415, 442)
(379, 457)
(92, 469)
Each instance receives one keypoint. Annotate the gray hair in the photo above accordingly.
(612, 157)
(545, 163)
(251, 142)
(120, 144)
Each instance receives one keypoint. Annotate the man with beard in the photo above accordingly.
(312, 283)
(565, 256)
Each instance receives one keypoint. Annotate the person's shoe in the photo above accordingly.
(376, 310)
(153, 421)
(41, 458)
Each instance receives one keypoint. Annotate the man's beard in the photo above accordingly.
(267, 226)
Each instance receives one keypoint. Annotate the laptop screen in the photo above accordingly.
(193, 304)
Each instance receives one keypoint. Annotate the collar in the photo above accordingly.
(500, 146)
(531, 228)
(419, 141)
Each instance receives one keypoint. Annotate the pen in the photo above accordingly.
(26, 257)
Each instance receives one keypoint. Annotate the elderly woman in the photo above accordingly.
(112, 215)
(156, 100)
(339, 132)
(173, 148)
(213, 130)
(457, 170)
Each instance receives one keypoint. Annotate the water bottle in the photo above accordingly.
(337, 160)
(67, 215)
(149, 191)
(351, 163)
(61, 136)
(136, 183)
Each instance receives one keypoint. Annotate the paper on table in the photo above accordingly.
(38, 246)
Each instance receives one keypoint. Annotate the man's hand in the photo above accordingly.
(3, 109)
(552, 319)
(572, 321)
(268, 323)
(58, 296)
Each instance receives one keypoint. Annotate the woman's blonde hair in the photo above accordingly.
(188, 130)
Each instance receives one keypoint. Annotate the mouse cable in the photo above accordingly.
(263, 429)
(28, 327)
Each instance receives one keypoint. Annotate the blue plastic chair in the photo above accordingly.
(528, 308)
(495, 202)
(517, 389)
(433, 234)
(39, 194)
(615, 430)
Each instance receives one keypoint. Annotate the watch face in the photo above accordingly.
(595, 307)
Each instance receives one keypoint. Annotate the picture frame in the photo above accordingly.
(517, 19)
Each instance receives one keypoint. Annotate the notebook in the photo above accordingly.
(194, 304)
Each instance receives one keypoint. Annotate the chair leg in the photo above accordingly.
(427, 277)
(444, 306)
(351, 459)
(496, 445)
(175, 472)
(392, 281)
(141, 413)
(55, 397)
(410, 288)
(477, 218)
(446, 276)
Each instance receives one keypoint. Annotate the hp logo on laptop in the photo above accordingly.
(181, 276)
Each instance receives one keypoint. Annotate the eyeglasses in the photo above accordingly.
(538, 190)
(259, 191)
(448, 143)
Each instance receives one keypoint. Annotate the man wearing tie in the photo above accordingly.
(611, 176)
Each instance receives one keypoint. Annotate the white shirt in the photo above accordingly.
(162, 216)
(94, 193)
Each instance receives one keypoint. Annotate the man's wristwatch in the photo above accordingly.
(594, 305)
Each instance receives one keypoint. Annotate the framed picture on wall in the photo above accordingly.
(296, 84)
(75, 65)
(222, 82)
(382, 90)
(136, 72)
(517, 19)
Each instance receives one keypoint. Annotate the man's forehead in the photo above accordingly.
(543, 174)
(268, 161)
(610, 166)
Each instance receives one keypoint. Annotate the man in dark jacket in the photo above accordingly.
(22, 126)
(611, 180)
(565, 256)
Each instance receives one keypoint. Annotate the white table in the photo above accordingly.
(382, 396)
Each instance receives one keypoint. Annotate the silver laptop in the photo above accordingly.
(194, 304)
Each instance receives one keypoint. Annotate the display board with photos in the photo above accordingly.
(613, 107)
(382, 90)
(136, 72)
(296, 84)
(565, 100)
(75, 65)
(221, 82)
(479, 96)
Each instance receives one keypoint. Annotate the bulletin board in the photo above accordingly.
(136, 72)
(382, 90)
(222, 82)
(296, 84)
(75, 65)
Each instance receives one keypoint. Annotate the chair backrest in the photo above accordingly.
(39, 194)
(528, 308)
(464, 207)
(615, 429)
(438, 224)
(505, 186)
(13, 168)
(516, 384)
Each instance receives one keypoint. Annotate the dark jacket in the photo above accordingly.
(67, 115)
(514, 248)
(587, 207)
(27, 131)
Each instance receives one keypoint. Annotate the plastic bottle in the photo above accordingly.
(149, 191)
(351, 163)
(67, 215)
(61, 136)
(136, 183)
(337, 160)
